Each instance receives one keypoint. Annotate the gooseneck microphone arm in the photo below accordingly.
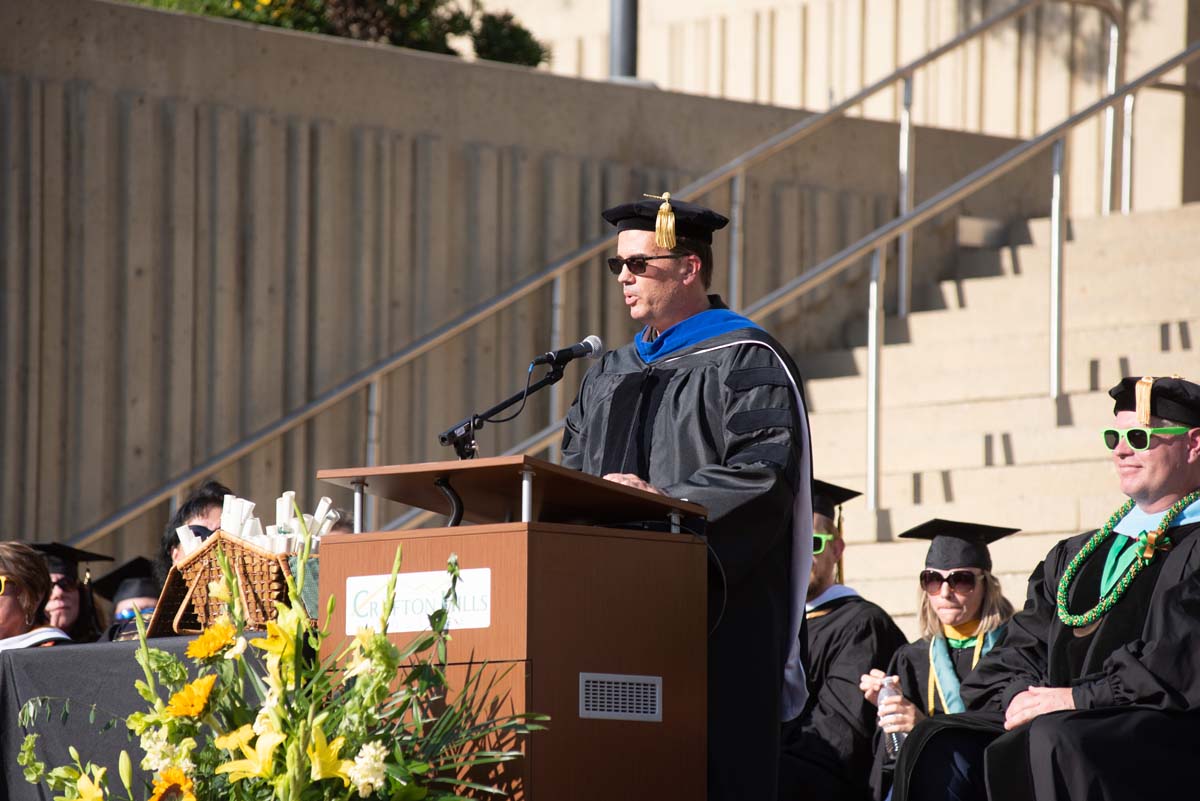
(461, 435)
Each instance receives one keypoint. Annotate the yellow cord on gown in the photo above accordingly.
(935, 685)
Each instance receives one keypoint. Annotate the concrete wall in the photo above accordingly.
(1020, 80)
(204, 225)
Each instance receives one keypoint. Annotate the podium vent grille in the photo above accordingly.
(611, 696)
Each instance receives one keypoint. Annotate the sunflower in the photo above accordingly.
(211, 641)
(173, 785)
(191, 700)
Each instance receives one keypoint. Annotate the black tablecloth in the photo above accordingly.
(102, 674)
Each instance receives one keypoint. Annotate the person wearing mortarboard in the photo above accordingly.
(132, 590)
(71, 606)
(961, 616)
(827, 751)
(1096, 689)
(704, 405)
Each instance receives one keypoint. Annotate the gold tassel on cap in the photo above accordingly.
(664, 224)
(840, 578)
(1141, 395)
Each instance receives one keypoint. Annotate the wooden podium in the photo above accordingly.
(604, 626)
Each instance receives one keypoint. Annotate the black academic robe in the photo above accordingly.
(827, 752)
(1135, 681)
(911, 665)
(722, 424)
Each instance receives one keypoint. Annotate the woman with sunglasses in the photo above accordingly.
(961, 614)
(24, 591)
(71, 606)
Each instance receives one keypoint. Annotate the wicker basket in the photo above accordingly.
(184, 606)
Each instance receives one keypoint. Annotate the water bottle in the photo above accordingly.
(892, 741)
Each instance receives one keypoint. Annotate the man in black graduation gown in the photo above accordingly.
(133, 591)
(1095, 693)
(705, 405)
(827, 751)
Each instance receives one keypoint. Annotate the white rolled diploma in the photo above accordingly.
(252, 530)
(187, 540)
(231, 514)
(327, 523)
(323, 507)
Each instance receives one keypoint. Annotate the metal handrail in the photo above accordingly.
(732, 172)
(876, 242)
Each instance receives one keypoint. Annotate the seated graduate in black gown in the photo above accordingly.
(827, 751)
(71, 606)
(133, 591)
(962, 614)
(1095, 693)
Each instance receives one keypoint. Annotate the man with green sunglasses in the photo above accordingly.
(827, 751)
(1100, 673)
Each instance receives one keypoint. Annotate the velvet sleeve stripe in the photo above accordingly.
(770, 453)
(751, 377)
(758, 419)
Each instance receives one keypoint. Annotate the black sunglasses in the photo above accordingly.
(66, 583)
(959, 581)
(637, 264)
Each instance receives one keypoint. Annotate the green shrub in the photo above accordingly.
(499, 37)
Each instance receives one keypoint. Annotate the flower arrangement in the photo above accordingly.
(266, 718)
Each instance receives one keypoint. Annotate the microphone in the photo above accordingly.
(591, 347)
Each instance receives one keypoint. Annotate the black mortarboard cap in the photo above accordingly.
(1172, 398)
(134, 579)
(826, 497)
(64, 559)
(954, 544)
(691, 221)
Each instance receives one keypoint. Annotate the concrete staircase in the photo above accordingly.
(968, 430)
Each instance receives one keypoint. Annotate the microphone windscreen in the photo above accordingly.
(597, 346)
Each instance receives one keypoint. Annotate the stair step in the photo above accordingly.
(982, 232)
(964, 485)
(989, 371)
(909, 450)
(1117, 226)
(1089, 297)
(1100, 257)
(1173, 340)
(1035, 513)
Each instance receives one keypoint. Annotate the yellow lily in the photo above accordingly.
(324, 758)
(89, 790)
(259, 761)
(279, 642)
(236, 740)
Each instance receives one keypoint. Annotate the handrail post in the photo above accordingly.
(556, 333)
(1110, 118)
(371, 513)
(1058, 235)
(736, 238)
(875, 322)
(1127, 155)
(904, 261)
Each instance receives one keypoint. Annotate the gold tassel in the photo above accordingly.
(1141, 394)
(664, 223)
(841, 567)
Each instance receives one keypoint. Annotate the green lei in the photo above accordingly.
(1107, 602)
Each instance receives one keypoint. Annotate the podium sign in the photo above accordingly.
(601, 628)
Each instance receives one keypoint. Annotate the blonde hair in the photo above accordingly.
(993, 613)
